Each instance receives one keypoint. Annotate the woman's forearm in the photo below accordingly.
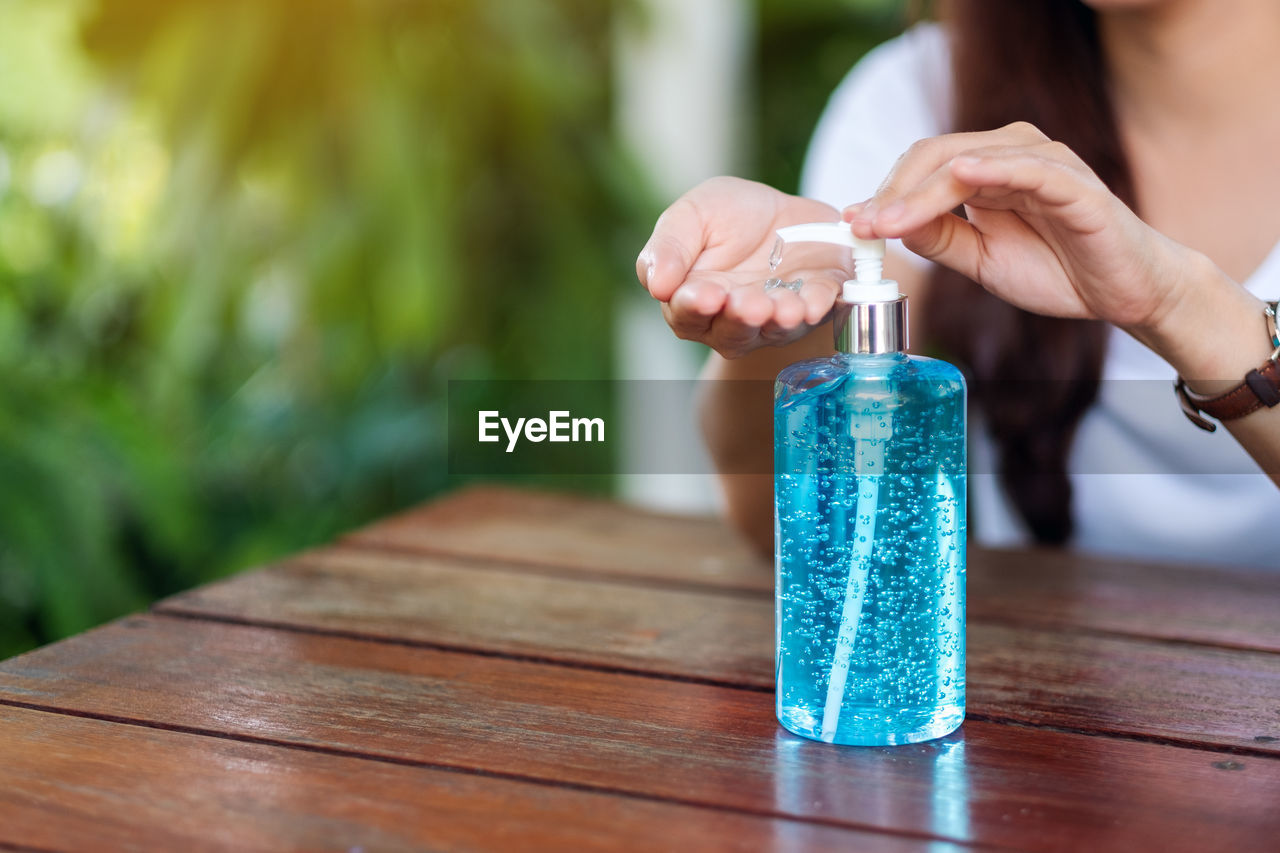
(735, 408)
(1213, 335)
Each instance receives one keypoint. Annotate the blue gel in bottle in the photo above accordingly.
(869, 526)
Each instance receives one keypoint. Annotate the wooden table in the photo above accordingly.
(511, 670)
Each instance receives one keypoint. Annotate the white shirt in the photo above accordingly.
(1146, 482)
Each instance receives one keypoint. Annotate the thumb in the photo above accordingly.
(949, 240)
(678, 238)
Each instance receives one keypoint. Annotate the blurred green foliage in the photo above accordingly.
(244, 244)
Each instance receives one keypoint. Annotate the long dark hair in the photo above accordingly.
(1033, 377)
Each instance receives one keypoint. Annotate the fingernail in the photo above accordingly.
(865, 213)
(648, 273)
(854, 211)
(965, 160)
(892, 213)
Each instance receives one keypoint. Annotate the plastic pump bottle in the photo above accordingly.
(869, 483)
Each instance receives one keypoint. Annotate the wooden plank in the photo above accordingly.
(573, 534)
(1227, 607)
(85, 784)
(1182, 693)
(991, 784)
(1037, 587)
(454, 603)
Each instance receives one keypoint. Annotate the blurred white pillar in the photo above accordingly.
(682, 72)
(682, 68)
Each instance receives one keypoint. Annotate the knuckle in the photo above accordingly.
(684, 333)
(717, 188)
(681, 206)
(889, 186)
(729, 349)
(737, 337)
(1059, 156)
(1026, 130)
(1058, 150)
(706, 184)
(933, 245)
(725, 181)
(1099, 191)
(773, 333)
(920, 148)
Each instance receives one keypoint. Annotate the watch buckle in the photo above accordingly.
(1191, 410)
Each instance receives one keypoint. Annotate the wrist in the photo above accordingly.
(1212, 331)
(766, 361)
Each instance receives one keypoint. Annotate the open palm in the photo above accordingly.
(708, 259)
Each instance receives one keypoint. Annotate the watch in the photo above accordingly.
(1260, 389)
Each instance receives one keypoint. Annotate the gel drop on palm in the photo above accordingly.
(869, 484)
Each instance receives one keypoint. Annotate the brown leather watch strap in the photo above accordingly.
(1261, 388)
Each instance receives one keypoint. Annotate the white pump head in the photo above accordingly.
(868, 283)
(871, 316)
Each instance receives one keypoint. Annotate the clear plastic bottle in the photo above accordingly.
(870, 526)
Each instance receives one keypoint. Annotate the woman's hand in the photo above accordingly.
(708, 260)
(1042, 230)
(1044, 233)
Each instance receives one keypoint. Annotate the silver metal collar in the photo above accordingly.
(871, 327)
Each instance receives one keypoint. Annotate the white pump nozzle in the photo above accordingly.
(868, 283)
